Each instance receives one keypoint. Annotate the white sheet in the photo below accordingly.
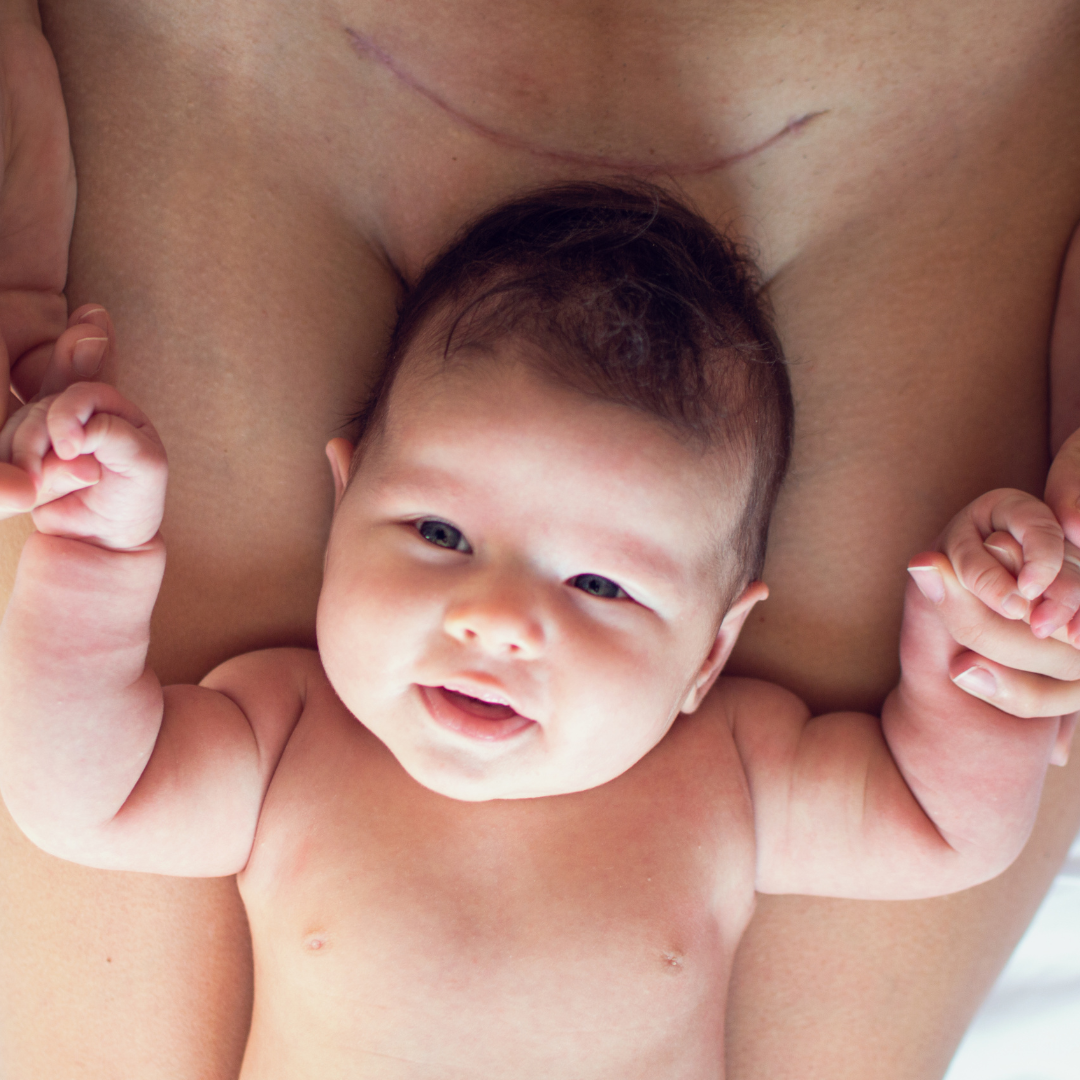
(1029, 1027)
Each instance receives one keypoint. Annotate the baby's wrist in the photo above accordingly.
(120, 547)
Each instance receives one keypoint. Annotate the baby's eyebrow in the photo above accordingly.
(645, 557)
(420, 484)
(639, 554)
(619, 550)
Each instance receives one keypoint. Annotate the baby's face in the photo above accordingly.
(523, 585)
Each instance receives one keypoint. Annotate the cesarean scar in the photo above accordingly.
(366, 48)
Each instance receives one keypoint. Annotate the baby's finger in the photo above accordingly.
(1033, 524)
(1061, 601)
(122, 448)
(70, 413)
(1018, 693)
(979, 570)
(1006, 550)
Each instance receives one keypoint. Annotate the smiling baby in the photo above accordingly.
(509, 820)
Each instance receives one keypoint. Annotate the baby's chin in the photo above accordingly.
(464, 780)
(523, 765)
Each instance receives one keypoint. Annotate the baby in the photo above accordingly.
(508, 822)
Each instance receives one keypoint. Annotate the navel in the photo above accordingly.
(672, 962)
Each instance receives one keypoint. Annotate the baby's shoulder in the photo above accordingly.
(270, 680)
(735, 699)
(736, 713)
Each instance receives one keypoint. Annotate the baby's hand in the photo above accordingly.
(1002, 561)
(95, 463)
(1008, 549)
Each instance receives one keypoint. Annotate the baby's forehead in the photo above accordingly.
(503, 377)
(495, 423)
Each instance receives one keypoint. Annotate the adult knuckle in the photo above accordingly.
(969, 634)
(1017, 699)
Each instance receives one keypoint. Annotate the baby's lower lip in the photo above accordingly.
(470, 716)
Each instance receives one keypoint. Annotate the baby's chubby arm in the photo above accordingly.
(941, 793)
(99, 764)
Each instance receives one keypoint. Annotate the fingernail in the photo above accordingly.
(88, 354)
(64, 450)
(1015, 606)
(929, 581)
(100, 321)
(978, 680)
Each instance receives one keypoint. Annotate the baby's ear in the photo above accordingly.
(726, 637)
(340, 453)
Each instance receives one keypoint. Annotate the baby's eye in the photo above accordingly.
(442, 535)
(595, 585)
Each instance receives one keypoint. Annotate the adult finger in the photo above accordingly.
(1063, 482)
(82, 350)
(975, 627)
(1018, 693)
(17, 491)
(1065, 349)
(60, 478)
(1063, 746)
(1063, 487)
(7, 432)
(30, 438)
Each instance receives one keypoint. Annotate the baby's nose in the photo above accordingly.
(498, 623)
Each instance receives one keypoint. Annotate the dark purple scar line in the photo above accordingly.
(367, 49)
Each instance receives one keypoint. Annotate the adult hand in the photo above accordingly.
(1063, 483)
(79, 353)
(1008, 665)
(37, 198)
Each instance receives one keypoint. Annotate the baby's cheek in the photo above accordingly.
(627, 700)
(368, 641)
(346, 643)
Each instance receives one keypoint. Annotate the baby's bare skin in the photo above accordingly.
(577, 904)
(590, 934)
(927, 273)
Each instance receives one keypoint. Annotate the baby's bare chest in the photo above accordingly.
(395, 927)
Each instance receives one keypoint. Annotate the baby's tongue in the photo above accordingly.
(485, 710)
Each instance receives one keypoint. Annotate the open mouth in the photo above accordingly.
(471, 716)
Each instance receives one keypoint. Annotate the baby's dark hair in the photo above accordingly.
(629, 296)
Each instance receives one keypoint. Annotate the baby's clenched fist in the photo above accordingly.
(97, 466)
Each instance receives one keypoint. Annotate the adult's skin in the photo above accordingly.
(257, 179)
